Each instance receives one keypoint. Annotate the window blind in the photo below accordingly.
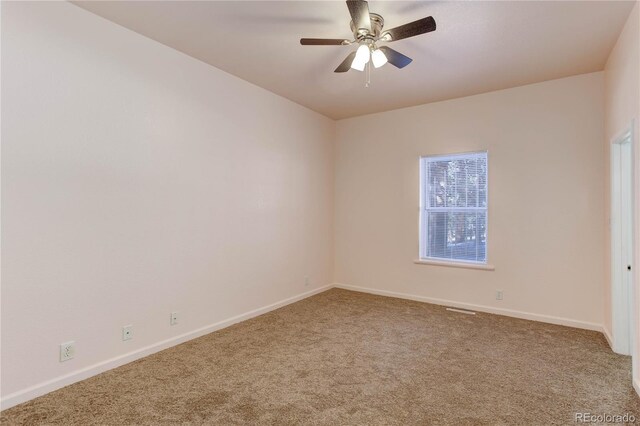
(454, 207)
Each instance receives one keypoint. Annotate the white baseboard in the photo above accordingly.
(481, 308)
(92, 370)
(636, 386)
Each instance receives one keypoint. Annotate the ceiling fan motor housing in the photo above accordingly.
(363, 34)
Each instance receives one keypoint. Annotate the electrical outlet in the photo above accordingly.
(127, 332)
(67, 351)
(174, 318)
(306, 280)
(498, 294)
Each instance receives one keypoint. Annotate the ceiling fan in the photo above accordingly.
(367, 33)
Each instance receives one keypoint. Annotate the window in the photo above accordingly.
(453, 208)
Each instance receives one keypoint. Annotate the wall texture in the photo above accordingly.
(137, 181)
(546, 188)
(622, 99)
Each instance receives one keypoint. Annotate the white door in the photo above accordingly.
(622, 242)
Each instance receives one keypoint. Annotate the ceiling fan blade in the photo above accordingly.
(359, 10)
(395, 58)
(421, 26)
(346, 64)
(323, 41)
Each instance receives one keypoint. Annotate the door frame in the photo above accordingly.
(622, 241)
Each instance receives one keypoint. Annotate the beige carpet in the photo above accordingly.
(342, 357)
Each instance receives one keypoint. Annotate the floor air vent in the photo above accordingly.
(461, 311)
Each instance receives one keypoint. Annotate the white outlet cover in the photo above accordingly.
(127, 332)
(174, 318)
(67, 351)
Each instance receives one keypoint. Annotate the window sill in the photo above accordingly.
(482, 266)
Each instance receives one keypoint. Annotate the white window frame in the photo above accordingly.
(422, 235)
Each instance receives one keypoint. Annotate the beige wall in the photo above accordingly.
(622, 99)
(137, 181)
(546, 188)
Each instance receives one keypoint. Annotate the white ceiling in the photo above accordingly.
(478, 47)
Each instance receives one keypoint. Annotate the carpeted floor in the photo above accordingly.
(342, 357)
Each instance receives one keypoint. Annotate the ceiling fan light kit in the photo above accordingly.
(362, 58)
(367, 33)
(378, 58)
